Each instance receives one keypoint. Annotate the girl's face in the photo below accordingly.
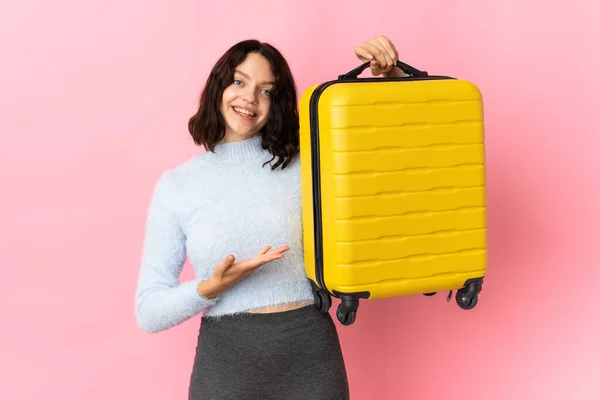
(245, 103)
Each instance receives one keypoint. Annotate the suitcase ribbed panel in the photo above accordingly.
(403, 186)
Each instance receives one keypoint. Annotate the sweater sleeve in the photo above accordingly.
(161, 301)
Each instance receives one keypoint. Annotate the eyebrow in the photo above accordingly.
(246, 76)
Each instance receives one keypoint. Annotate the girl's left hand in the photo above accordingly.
(381, 52)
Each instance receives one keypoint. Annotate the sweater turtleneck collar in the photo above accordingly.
(241, 150)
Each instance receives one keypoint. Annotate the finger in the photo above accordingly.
(375, 52)
(267, 258)
(281, 249)
(225, 264)
(375, 68)
(387, 59)
(395, 51)
(362, 54)
(264, 250)
(228, 260)
(271, 257)
(250, 265)
(385, 52)
(385, 42)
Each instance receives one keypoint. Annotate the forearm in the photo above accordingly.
(160, 306)
(161, 301)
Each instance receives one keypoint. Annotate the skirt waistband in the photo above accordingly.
(279, 319)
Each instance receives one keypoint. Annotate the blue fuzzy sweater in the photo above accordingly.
(210, 206)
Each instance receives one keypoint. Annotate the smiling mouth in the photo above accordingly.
(244, 112)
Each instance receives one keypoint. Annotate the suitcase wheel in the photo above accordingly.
(464, 301)
(345, 315)
(346, 311)
(322, 300)
(467, 297)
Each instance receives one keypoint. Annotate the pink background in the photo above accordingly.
(94, 101)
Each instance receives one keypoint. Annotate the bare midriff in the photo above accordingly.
(280, 307)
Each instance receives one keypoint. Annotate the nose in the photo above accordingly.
(249, 94)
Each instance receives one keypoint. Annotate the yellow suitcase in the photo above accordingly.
(393, 188)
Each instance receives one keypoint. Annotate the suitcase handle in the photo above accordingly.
(404, 67)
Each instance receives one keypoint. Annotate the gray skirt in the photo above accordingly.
(284, 355)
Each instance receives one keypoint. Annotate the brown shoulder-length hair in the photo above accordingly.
(280, 135)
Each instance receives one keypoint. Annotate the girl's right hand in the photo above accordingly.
(228, 272)
(381, 53)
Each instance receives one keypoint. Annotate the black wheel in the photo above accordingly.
(464, 300)
(322, 301)
(430, 294)
(325, 301)
(345, 315)
(318, 301)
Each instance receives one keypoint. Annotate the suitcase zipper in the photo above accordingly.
(316, 164)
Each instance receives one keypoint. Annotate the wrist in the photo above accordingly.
(207, 288)
(395, 72)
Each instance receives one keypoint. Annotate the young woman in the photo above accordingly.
(235, 210)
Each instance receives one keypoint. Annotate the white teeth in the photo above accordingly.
(244, 112)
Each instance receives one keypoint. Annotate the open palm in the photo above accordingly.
(229, 272)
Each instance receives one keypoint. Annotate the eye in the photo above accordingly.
(237, 82)
(266, 92)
